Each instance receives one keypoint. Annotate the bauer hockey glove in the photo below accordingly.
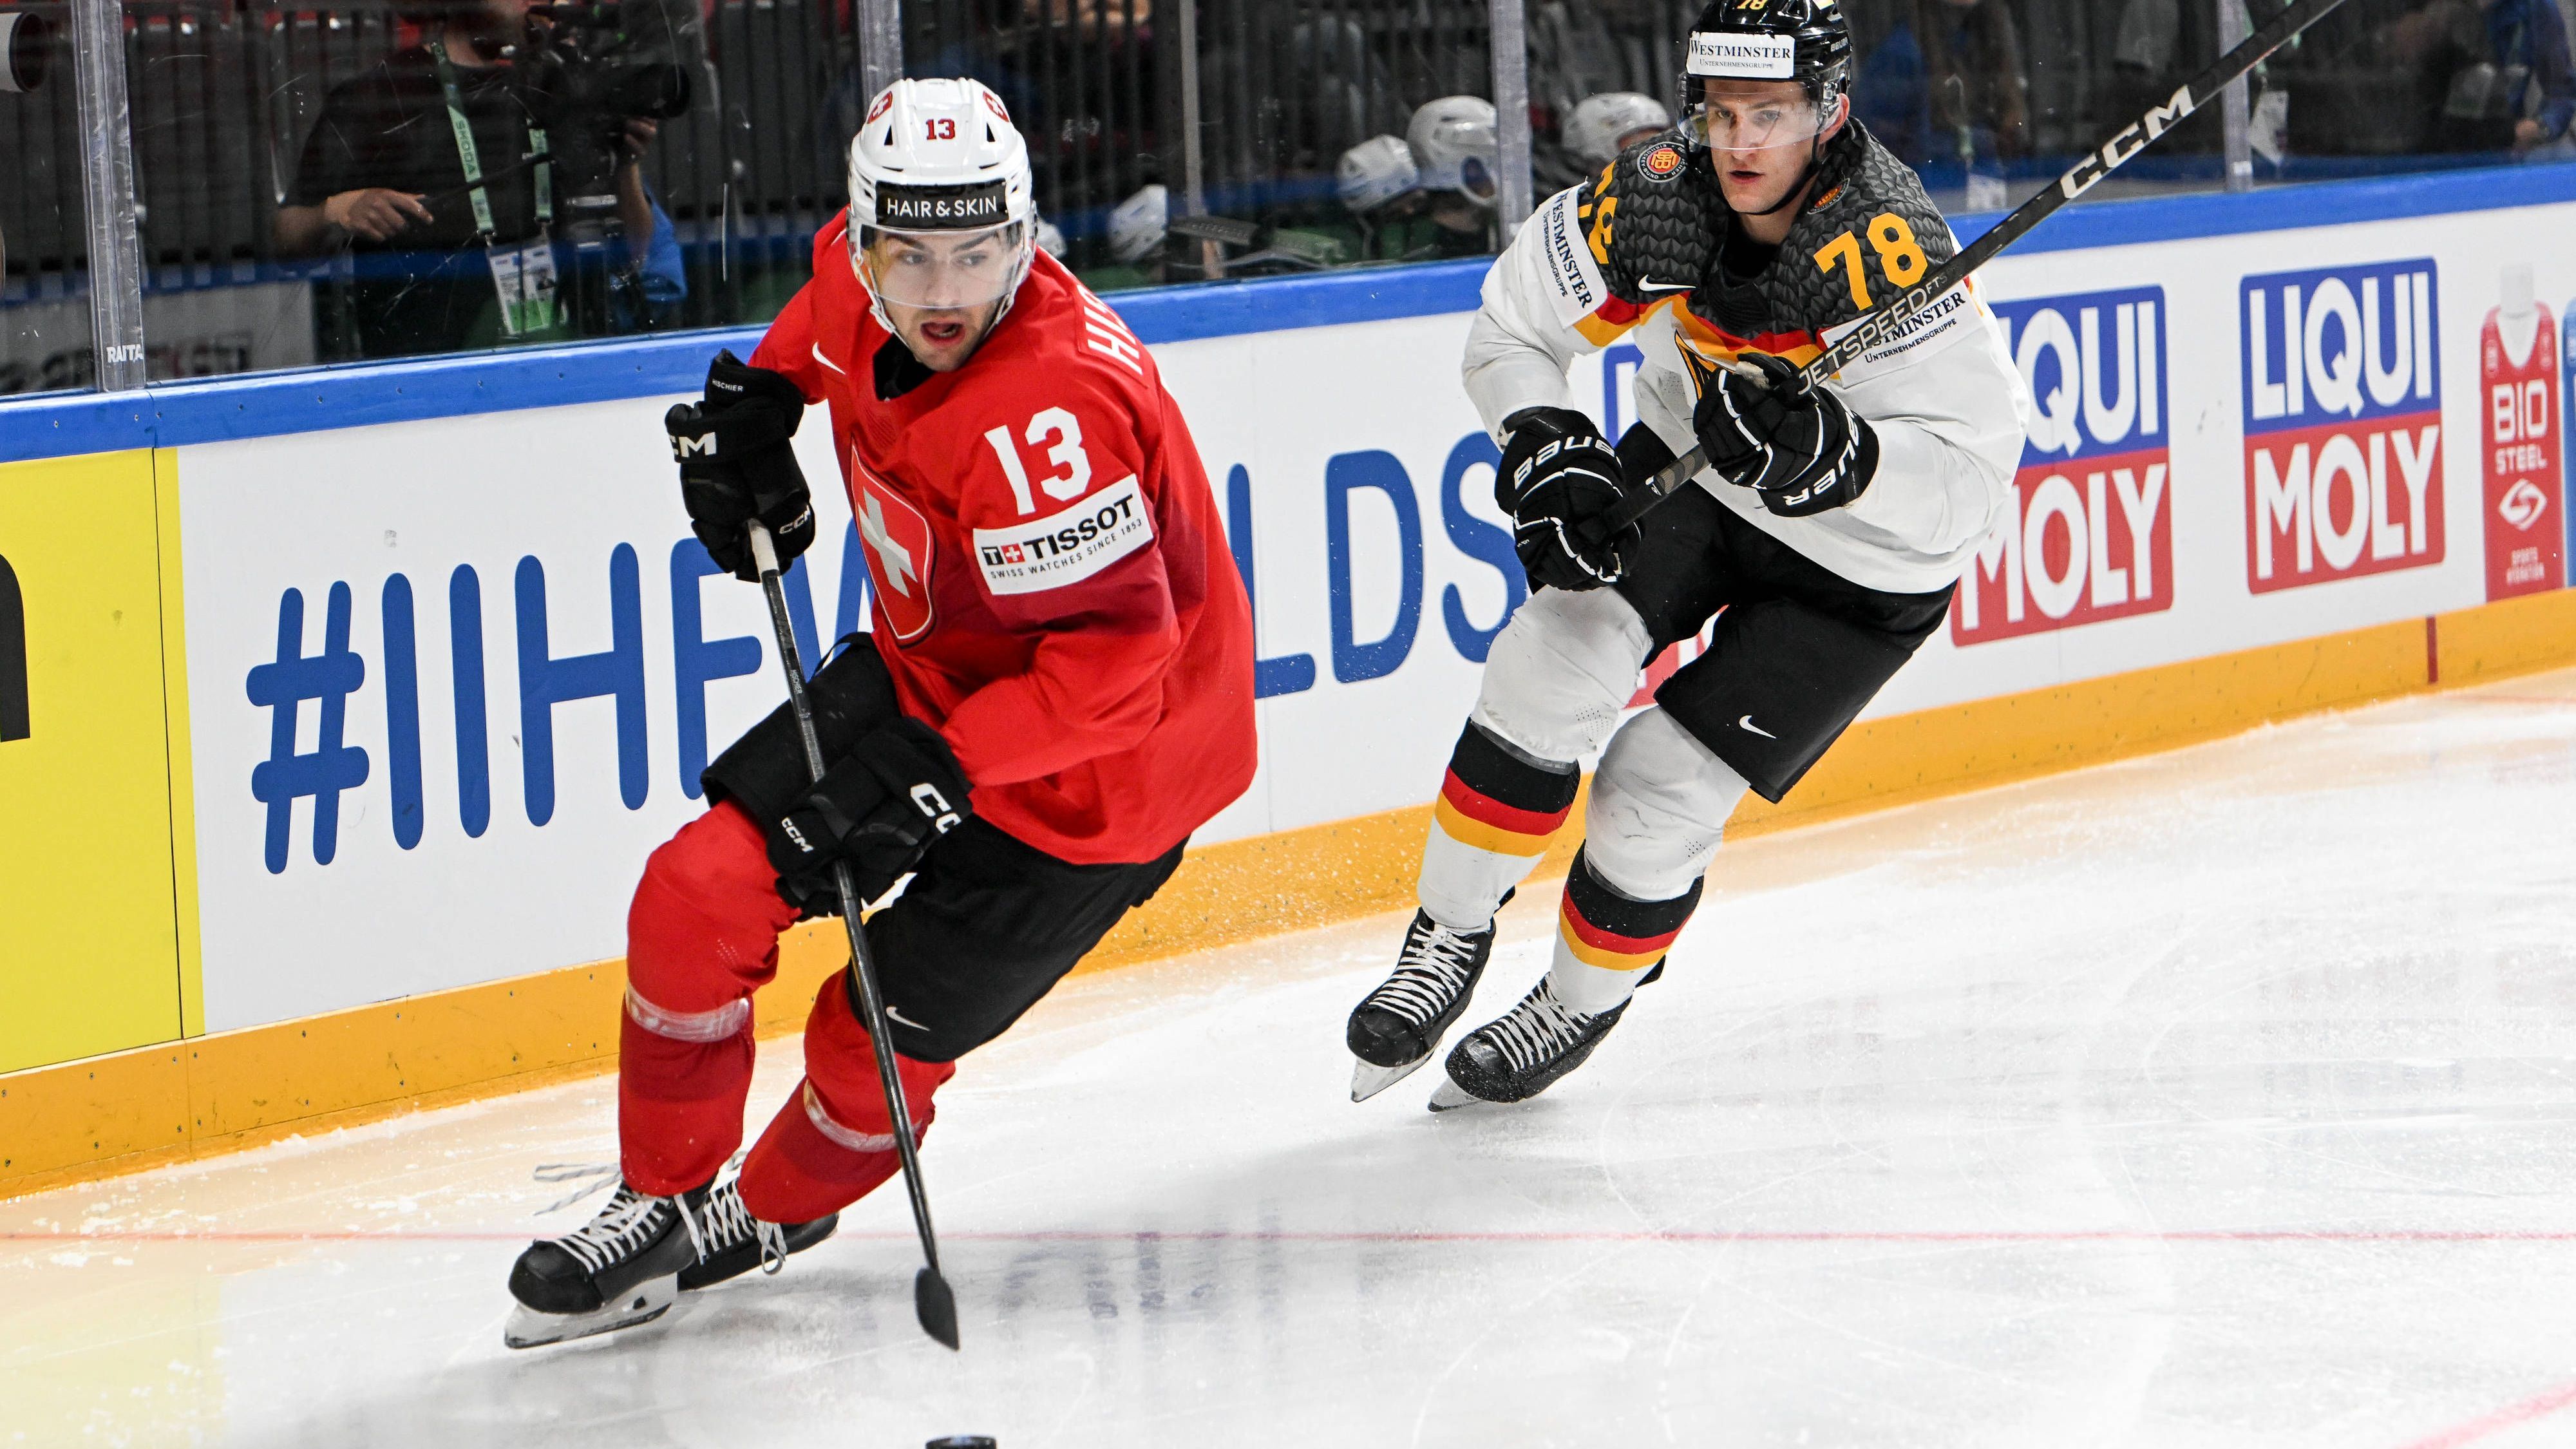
(1557, 474)
(1801, 448)
(736, 464)
(895, 792)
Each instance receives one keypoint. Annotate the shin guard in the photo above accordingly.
(1606, 943)
(833, 1142)
(1496, 811)
(701, 935)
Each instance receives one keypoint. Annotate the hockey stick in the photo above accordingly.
(1889, 320)
(932, 1302)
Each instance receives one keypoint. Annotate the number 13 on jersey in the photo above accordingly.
(1073, 467)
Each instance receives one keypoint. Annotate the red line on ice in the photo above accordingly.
(2504, 1418)
(1710, 1236)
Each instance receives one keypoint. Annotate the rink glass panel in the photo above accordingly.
(1990, 99)
(44, 271)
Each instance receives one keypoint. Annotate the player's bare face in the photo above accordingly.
(1760, 136)
(942, 291)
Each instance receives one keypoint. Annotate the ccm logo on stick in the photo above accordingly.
(2343, 422)
(2087, 533)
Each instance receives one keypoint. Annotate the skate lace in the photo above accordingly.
(729, 1223)
(1537, 1029)
(624, 1226)
(1428, 972)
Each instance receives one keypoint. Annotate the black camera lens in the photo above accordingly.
(26, 45)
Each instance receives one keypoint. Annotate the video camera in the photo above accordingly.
(26, 48)
(589, 67)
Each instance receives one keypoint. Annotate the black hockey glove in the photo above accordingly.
(1802, 448)
(736, 464)
(879, 808)
(1557, 474)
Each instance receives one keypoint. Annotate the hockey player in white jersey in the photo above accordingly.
(1830, 529)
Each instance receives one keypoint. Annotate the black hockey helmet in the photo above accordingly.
(1807, 41)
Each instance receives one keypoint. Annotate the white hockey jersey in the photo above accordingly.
(1634, 254)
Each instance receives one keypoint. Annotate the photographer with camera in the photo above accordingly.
(465, 172)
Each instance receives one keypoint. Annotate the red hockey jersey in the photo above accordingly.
(1053, 588)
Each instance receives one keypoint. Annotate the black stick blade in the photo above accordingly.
(935, 1306)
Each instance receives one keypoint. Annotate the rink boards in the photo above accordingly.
(318, 716)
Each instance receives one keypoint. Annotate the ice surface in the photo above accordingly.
(2220, 1098)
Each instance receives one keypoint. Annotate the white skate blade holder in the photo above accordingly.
(642, 1303)
(1368, 1078)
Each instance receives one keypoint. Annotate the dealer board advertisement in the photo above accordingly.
(453, 679)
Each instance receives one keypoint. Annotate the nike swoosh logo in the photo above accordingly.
(896, 1016)
(1745, 723)
(827, 362)
(1649, 284)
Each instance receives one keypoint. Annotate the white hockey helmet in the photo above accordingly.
(1454, 145)
(938, 165)
(1138, 225)
(1375, 172)
(1607, 124)
(1051, 239)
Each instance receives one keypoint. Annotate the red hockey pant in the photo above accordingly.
(702, 936)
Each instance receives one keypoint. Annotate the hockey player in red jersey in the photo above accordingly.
(1057, 692)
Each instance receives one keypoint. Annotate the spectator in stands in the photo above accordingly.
(1378, 183)
(1580, 50)
(1973, 76)
(441, 263)
(1456, 153)
(1594, 135)
(2510, 88)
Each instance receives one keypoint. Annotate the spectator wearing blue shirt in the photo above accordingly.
(2530, 37)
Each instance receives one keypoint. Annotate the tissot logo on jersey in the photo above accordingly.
(2343, 422)
(1067, 547)
(2087, 531)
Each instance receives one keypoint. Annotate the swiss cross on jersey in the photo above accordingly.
(900, 553)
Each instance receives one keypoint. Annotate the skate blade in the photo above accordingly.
(1449, 1097)
(1368, 1078)
(643, 1303)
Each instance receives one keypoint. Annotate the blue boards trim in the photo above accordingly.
(272, 404)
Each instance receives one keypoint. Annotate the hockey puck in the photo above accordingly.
(963, 1441)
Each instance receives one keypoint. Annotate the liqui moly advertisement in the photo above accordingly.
(2087, 533)
(2525, 498)
(2343, 422)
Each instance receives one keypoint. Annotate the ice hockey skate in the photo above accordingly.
(1397, 1027)
(618, 1270)
(736, 1242)
(1522, 1053)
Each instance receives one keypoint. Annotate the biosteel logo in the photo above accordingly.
(2343, 422)
(2088, 531)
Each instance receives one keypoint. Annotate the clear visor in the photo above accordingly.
(1722, 124)
(939, 269)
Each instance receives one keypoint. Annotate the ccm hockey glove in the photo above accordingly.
(1801, 448)
(736, 464)
(1557, 474)
(879, 808)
